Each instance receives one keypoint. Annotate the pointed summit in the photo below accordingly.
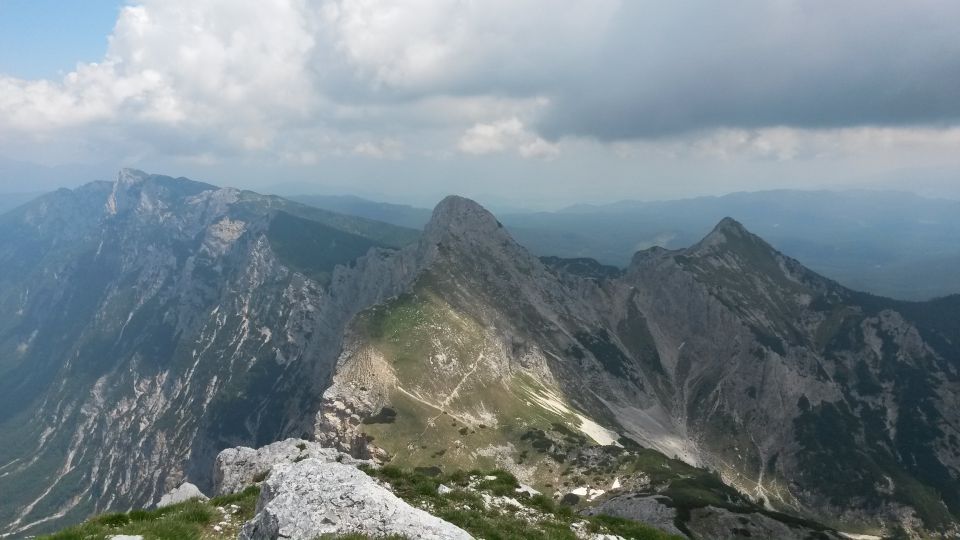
(461, 217)
(740, 260)
(727, 229)
(466, 234)
(731, 234)
(728, 224)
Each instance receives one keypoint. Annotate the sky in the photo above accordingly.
(531, 103)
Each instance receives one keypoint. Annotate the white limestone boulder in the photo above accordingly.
(184, 493)
(313, 497)
(238, 468)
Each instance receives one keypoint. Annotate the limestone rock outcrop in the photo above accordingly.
(185, 492)
(237, 468)
(314, 497)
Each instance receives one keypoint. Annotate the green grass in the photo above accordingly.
(191, 520)
(503, 483)
(464, 507)
(623, 527)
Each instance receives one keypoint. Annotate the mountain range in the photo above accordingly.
(150, 322)
(888, 243)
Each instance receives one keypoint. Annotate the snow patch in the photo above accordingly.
(552, 402)
(597, 432)
(588, 492)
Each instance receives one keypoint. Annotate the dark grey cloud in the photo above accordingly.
(668, 68)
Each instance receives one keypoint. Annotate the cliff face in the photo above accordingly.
(149, 323)
(802, 392)
(146, 325)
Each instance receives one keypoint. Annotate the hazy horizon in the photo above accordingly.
(496, 202)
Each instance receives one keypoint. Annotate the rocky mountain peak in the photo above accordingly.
(128, 176)
(466, 227)
(731, 238)
(146, 193)
(459, 216)
(124, 187)
(727, 230)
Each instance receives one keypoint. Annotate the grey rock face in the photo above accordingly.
(721, 524)
(237, 468)
(185, 492)
(148, 323)
(642, 508)
(764, 355)
(303, 500)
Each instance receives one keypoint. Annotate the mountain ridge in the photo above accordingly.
(457, 348)
(749, 291)
(882, 242)
(118, 325)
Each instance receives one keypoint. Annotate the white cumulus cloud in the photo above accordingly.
(503, 135)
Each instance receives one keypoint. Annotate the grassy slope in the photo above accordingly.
(191, 520)
(449, 405)
(536, 517)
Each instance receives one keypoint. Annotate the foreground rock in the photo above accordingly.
(237, 468)
(314, 497)
(184, 493)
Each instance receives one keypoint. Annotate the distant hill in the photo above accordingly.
(889, 243)
(397, 214)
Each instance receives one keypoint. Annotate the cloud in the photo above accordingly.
(405, 48)
(538, 148)
(503, 135)
(669, 68)
(300, 81)
(385, 149)
(219, 74)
